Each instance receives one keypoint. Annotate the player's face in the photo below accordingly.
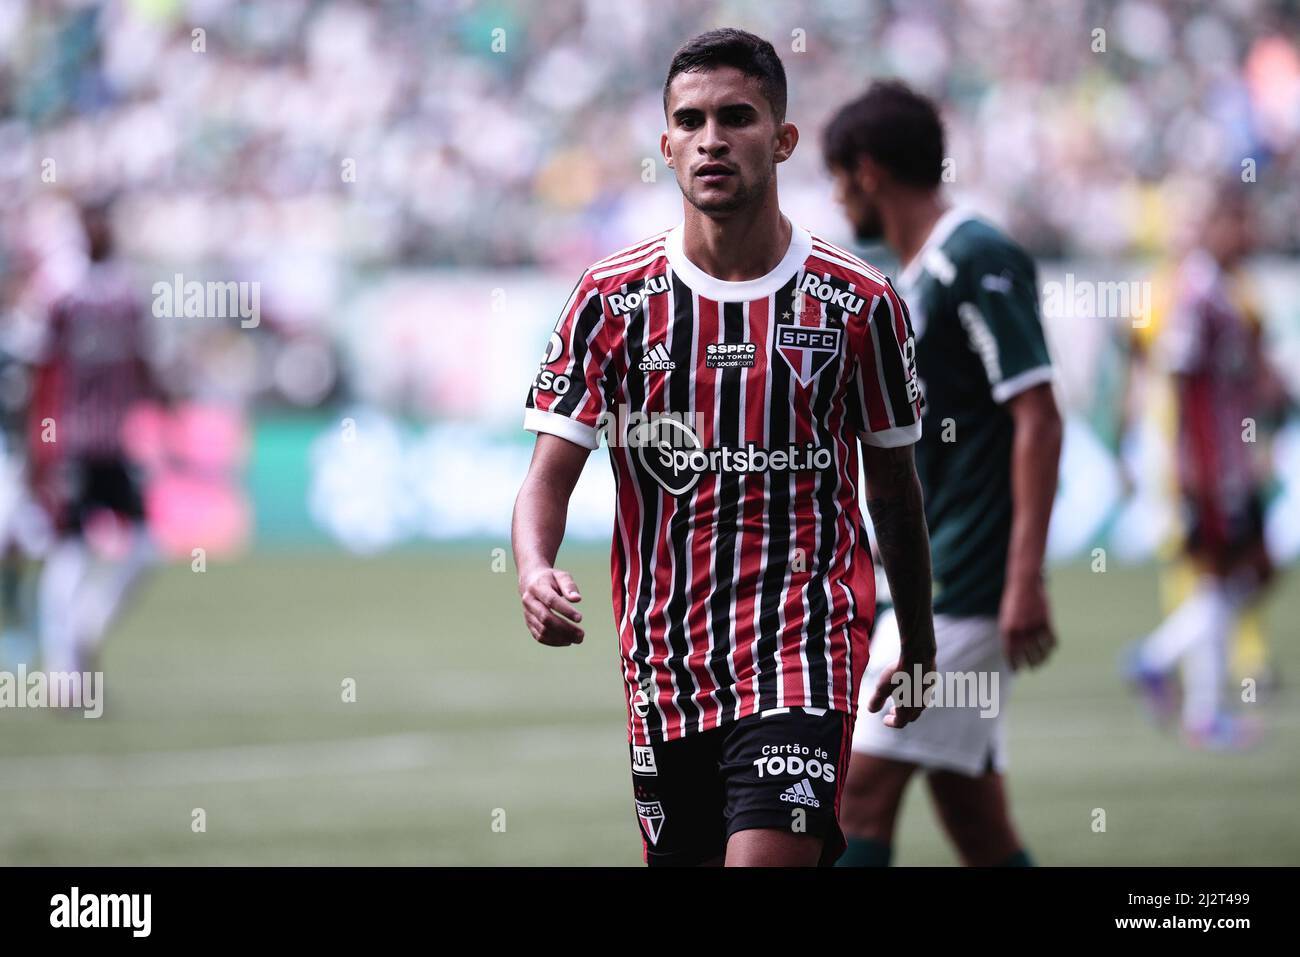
(723, 141)
(1229, 232)
(862, 213)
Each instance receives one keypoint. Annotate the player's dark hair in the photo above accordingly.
(96, 212)
(894, 125)
(750, 54)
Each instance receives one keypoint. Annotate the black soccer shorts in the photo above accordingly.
(1227, 530)
(782, 771)
(107, 484)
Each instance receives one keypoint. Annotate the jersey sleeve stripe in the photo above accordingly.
(1022, 382)
(889, 357)
(552, 423)
(861, 265)
(893, 438)
(582, 357)
(871, 399)
(848, 271)
(630, 252)
(657, 252)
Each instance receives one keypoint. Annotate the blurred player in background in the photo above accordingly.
(1146, 438)
(93, 372)
(24, 526)
(742, 579)
(1211, 347)
(987, 463)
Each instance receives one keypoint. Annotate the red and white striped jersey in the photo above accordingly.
(95, 362)
(1210, 342)
(732, 410)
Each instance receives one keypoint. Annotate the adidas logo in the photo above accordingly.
(801, 793)
(657, 358)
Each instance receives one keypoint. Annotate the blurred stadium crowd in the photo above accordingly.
(327, 150)
(506, 133)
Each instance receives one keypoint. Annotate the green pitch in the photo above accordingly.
(468, 744)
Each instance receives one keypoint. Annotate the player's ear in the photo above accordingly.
(868, 175)
(666, 149)
(787, 138)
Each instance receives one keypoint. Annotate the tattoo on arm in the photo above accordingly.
(898, 513)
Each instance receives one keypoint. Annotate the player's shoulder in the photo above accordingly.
(636, 261)
(976, 246)
(827, 259)
(833, 274)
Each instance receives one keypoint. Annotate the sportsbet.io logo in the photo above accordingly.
(673, 454)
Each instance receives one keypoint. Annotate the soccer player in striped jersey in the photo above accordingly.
(740, 369)
(1222, 383)
(93, 372)
(987, 464)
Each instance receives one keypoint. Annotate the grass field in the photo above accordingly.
(224, 692)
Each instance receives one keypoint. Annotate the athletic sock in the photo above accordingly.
(1206, 663)
(1180, 631)
(61, 582)
(865, 852)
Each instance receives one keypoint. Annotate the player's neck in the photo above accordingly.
(746, 245)
(909, 222)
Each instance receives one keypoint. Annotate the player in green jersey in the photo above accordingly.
(987, 461)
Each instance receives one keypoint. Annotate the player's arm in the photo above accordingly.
(889, 408)
(547, 594)
(903, 541)
(1025, 616)
(564, 408)
(999, 309)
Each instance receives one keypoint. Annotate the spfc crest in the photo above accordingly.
(804, 343)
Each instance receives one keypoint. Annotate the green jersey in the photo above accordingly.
(973, 297)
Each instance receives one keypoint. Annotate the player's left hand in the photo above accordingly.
(887, 688)
(1025, 622)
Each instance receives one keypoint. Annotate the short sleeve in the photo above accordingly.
(886, 392)
(999, 312)
(566, 398)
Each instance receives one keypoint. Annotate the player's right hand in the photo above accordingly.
(547, 597)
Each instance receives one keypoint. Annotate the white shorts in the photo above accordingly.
(971, 739)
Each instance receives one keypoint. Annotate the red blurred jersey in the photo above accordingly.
(94, 367)
(741, 573)
(1211, 345)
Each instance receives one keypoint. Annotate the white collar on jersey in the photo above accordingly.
(943, 228)
(722, 291)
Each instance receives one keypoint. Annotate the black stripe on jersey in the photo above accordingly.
(634, 343)
(680, 402)
(585, 326)
(620, 562)
(891, 351)
(772, 590)
(728, 521)
(819, 676)
(532, 391)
